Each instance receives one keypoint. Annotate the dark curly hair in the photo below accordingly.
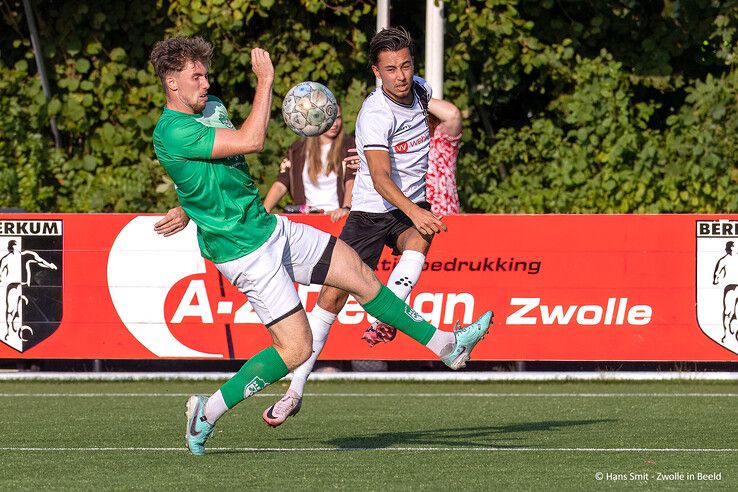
(172, 55)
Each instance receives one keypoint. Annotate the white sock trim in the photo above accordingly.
(324, 315)
(412, 255)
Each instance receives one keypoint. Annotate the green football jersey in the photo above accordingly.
(219, 195)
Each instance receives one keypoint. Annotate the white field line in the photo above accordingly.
(390, 395)
(392, 449)
(385, 376)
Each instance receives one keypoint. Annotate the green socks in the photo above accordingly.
(388, 308)
(267, 366)
(259, 372)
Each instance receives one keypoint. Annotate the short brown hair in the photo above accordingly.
(172, 55)
(390, 39)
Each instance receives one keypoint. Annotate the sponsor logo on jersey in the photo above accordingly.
(401, 147)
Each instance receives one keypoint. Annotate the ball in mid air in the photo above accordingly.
(309, 109)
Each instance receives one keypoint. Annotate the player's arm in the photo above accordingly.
(380, 169)
(448, 114)
(250, 137)
(274, 195)
(344, 208)
(347, 194)
(173, 222)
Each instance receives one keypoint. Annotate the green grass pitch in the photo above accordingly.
(376, 436)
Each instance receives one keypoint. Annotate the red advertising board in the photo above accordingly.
(562, 287)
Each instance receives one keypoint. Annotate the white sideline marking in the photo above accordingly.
(400, 449)
(397, 395)
(451, 376)
(392, 395)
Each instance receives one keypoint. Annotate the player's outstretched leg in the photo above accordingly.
(198, 429)
(349, 273)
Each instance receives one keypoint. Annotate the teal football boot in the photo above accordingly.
(466, 339)
(198, 429)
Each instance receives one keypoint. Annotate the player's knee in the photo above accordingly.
(301, 354)
(367, 275)
(294, 354)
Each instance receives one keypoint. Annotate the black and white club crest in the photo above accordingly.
(30, 281)
(717, 281)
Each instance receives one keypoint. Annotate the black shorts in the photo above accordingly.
(368, 232)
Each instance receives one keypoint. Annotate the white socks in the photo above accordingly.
(402, 280)
(215, 407)
(442, 342)
(320, 324)
(406, 273)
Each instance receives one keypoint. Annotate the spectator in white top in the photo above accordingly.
(316, 175)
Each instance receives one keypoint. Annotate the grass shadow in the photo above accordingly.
(465, 436)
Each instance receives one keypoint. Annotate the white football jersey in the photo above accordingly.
(402, 131)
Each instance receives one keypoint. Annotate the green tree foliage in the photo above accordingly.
(105, 101)
(595, 106)
(106, 98)
(569, 106)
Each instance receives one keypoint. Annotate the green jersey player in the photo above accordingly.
(261, 254)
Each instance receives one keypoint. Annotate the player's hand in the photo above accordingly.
(352, 161)
(174, 221)
(261, 65)
(337, 214)
(426, 222)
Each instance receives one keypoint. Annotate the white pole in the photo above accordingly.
(383, 15)
(434, 46)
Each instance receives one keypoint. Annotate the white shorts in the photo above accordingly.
(293, 253)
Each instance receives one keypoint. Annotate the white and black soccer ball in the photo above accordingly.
(309, 109)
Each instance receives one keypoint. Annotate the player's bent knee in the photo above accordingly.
(302, 353)
(294, 354)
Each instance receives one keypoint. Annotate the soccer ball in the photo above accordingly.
(309, 109)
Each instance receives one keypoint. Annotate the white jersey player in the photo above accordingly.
(388, 207)
(400, 130)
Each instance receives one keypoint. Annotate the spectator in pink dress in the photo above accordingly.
(445, 128)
